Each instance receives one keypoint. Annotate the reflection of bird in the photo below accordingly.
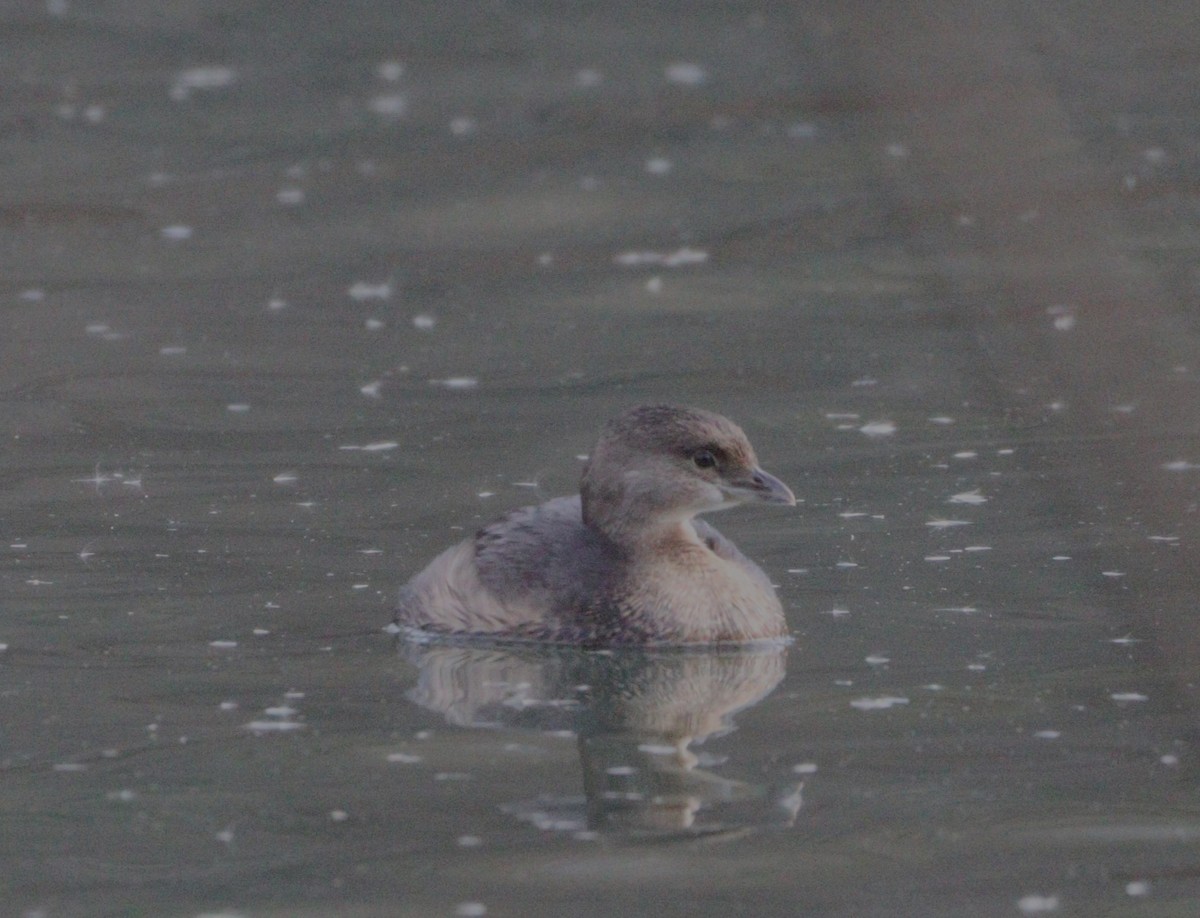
(636, 714)
(625, 562)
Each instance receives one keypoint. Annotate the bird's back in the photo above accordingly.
(537, 573)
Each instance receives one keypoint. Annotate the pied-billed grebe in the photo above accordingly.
(625, 562)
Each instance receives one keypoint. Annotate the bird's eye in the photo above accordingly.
(704, 459)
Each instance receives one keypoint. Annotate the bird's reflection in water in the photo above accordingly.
(637, 715)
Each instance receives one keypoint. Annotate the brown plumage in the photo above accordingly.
(625, 562)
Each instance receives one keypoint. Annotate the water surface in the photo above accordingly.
(295, 298)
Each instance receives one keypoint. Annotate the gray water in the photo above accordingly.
(295, 295)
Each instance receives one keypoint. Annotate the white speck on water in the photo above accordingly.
(237, 407)
(204, 79)
(176, 232)
(679, 258)
(659, 165)
(424, 322)
(588, 77)
(846, 564)
(223, 645)
(276, 304)
(802, 130)
(934, 687)
(965, 610)
(403, 758)
(1168, 759)
(260, 632)
(290, 196)
(1159, 538)
(32, 295)
(946, 524)
(1127, 639)
(463, 126)
(976, 667)
(654, 285)
(805, 768)
(390, 71)
(272, 726)
(286, 478)
(1112, 573)
(1033, 905)
(172, 351)
(3, 647)
(965, 454)
(621, 770)
(878, 428)
(937, 557)
(338, 815)
(122, 796)
(469, 841)
(371, 389)
(68, 767)
(1061, 558)
(1128, 696)
(293, 695)
(457, 383)
(373, 324)
(683, 73)
(1181, 465)
(877, 659)
(380, 447)
(836, 613)
(1007, 451)
(877, 704)
(227, 706)
(361, 290)
(967, 497)
(978, 548)
(36, 582)
(360, 586)
(470, 909)
(896, 150)
(1137, 888)
(1063, 316)
(941, 419)
(1047, 734)
(841, 416)
(389, 105)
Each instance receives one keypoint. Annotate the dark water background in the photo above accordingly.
(295, 294)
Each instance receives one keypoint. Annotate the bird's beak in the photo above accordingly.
(757, 485)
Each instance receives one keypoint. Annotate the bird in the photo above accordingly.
(625, 562)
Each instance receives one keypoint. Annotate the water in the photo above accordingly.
(293, 300)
